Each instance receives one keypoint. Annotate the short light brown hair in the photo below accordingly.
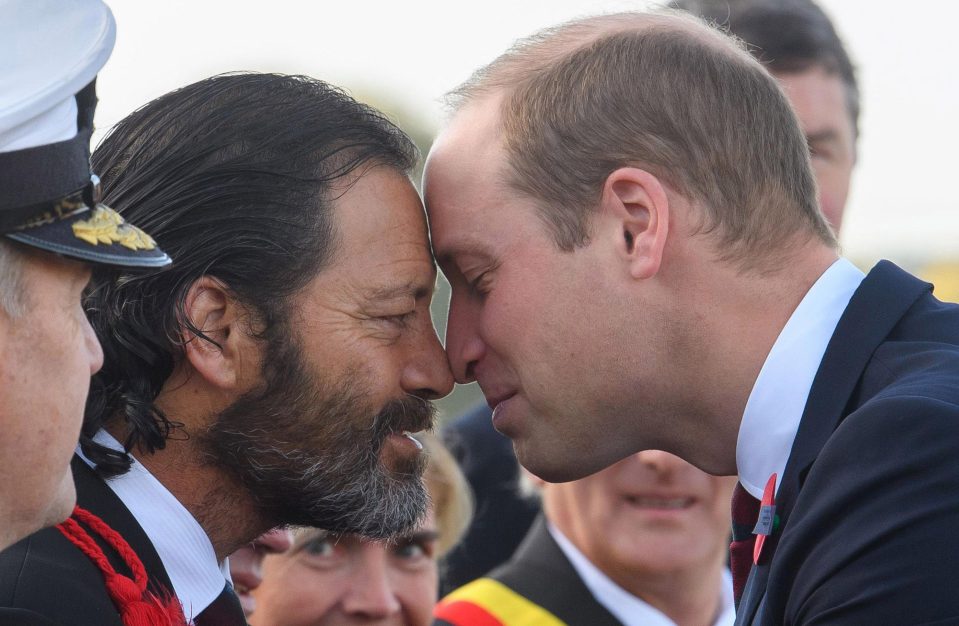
(663, 92)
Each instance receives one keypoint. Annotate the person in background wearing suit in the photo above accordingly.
(272, 376)
(330, 578)
(798, 44)
(640, 543)
(49, 210)
(627, 214)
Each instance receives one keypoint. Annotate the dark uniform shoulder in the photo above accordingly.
(46, 579)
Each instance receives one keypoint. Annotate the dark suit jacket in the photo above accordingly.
(869, 500)
(502, 516)
(45, 579)
(541, 573)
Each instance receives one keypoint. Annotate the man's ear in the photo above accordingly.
(637, 203)
(212, 309)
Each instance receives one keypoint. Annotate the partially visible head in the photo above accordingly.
(45, 340)
(345, 579)
(798, 43)
(48, 202)
(651, 516)
(246, 564)
(292, 339)
(584, 179)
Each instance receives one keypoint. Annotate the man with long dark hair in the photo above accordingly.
(275, 374)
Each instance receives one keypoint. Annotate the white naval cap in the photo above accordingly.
(49, 51)
(50, 54)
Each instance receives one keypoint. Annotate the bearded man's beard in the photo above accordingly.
(308, 452)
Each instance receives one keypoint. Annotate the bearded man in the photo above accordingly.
(274, 375)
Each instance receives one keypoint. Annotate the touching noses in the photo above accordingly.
(463, 343)
(427, 372)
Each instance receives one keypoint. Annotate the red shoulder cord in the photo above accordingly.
(137, 606)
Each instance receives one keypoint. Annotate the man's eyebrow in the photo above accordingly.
(421, 535)
(461, 249)
(822, 135)
(401, 290)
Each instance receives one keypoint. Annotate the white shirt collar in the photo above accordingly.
(776, 403)
(180, 542)
(627, 608)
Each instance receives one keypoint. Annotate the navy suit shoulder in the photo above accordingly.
(872, 489)
(502, 515)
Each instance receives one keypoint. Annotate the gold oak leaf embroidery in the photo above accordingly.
(107, 227)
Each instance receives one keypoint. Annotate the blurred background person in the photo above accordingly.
(246, 564)
(799, 45)
(327, 578)
(641, 543)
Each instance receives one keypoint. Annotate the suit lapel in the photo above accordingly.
(753, 594)
(878, 304)
(541, 572)
(96, 496)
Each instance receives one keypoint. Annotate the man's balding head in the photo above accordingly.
(659, 91)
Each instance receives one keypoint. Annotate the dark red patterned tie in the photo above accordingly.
(745, 512)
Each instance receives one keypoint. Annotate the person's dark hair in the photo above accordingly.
(787, 36)
(234, 176)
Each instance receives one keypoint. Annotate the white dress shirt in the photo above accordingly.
(624, 606)
(778, 398)
(180, 542)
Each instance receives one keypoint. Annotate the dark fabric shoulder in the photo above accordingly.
(46, 575)
(875, 522)
(502, 514)
(20, 617)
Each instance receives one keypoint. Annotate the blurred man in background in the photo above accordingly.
(798, 43)
(640, 543)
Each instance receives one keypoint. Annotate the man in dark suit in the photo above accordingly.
(640, 543)
(49, 208)
(273, 376)
(798, 44)
(625, 209)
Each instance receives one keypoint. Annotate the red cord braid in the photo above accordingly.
(137, 606)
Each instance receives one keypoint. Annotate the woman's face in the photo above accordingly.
(327, 580)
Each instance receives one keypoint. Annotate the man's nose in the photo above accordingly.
(464, 346)
(370, 592)
(427, 373)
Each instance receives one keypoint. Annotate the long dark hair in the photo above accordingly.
(234, 177)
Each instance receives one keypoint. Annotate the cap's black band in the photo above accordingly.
(36, 177)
